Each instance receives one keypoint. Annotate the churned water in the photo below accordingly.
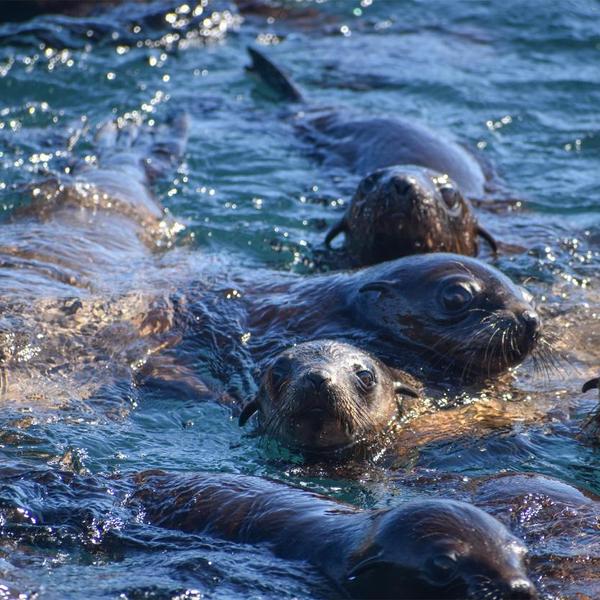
(518, 83)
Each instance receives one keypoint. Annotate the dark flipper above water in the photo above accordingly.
(273, 76)
(366, 144)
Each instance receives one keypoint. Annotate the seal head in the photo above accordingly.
(440, 549)
(461, 310)
(323, 396)
(408, 210)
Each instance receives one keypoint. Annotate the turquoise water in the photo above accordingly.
(517, 83)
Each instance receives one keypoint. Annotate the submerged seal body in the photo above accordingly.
(428, 549)
(367, 144)
(325, 396)
(78, 264)
(408, 210)
(441, 312)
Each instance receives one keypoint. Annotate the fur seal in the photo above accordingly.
(325, 396)
(367, 144)
(434, 314)
(408, 210)
(431, 548)
(78, 267)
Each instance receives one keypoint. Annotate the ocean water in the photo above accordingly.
(517, 83)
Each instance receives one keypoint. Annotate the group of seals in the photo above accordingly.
(452, 311)
(413, 195)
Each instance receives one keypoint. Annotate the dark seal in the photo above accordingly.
(370, 143)
(326, 396)
(408, 210)
(425, 313)
(439, 549)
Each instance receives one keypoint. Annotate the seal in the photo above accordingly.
(78, 266)
(408, 210)
(592, 425)
(326, 396)
(365, 144)
(433, 315)
(431, 548)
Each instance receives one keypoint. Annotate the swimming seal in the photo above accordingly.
(444, 313)
(439, 549)
(324, 396)
(408, 210)
(78, 265)
(367, 144)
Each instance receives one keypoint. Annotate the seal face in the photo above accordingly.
(408, 210)
(323, 395)
(440, 549)
(432, 549)
(464, 312)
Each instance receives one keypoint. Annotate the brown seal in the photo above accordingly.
(432, 314)
(408, 210)
(425, 549)
(78, 266)
(325, 396)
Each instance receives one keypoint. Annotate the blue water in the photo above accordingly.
(518, 83)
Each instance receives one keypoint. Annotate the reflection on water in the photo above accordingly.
(83, 300)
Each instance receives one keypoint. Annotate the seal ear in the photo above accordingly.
(488, 237)
(378, 286)
(406, 390)
(339, 227)
(364, 565)
(591, 384)
(250, 408)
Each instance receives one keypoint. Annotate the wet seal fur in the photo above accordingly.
(593, 422)
(408, 210)
(425, 549)
(326, 396)
(368, 144)
(449, 314)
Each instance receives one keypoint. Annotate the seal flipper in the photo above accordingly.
(247, 412)
(340, 227)
(591, 384)
(488, 237)
(273, 76)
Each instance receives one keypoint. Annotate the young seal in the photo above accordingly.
(439, 549)
(78, 266)
(433, 314)
(368, 144)
(408, 210)
(325, 396)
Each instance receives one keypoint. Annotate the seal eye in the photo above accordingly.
(457, 297)
(280, 372)
(367, 379)
(442, 568)
(450, 196)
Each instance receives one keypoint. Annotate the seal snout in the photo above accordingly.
(521, 588)
(532, 323)
(314, 381)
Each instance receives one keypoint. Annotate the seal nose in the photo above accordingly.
(532, 323)
(522, 589)
(314, 381)
(401, 184)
